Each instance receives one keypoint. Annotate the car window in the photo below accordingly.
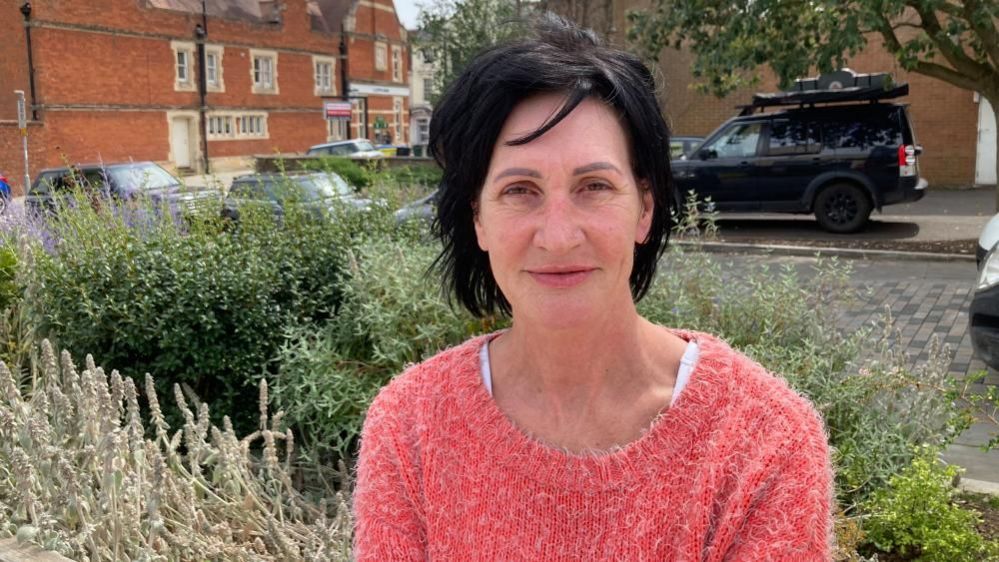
(249, 190)
(860, 134)
(364, 145)
(324, 186)
(341, 150)
(675, 149)
(789, 137)
(96, 179)
(149, 176)
(738, 141)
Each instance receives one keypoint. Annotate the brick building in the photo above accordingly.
(120, 79)
(956, 127)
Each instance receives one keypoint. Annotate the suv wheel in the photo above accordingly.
(842, 208)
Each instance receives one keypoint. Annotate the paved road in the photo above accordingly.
(926, 299)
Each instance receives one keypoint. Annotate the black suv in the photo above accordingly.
(124, 180)
(841, 153)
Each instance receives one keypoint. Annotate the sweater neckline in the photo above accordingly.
(670, 433)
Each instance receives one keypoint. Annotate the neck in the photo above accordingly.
(585, 362)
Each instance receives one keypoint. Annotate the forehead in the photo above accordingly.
(591, 129)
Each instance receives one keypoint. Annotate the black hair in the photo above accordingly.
(563, 58)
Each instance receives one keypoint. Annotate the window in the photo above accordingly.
(380, 55)
(396, 63)
(792, 137)
(264, 72)
(184, 69)
(325, 83)
(337, 129)
(213, 69)
(738, 141)
(428, 88)
(236, 126)
(423, 131)
(397, 110)
(183, 66)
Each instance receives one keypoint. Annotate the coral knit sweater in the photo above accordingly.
(737, 469)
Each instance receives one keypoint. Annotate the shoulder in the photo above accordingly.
(412, 397)
(756, 401)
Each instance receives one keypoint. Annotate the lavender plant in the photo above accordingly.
(81, 475)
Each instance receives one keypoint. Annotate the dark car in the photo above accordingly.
(839, 154)
(317, 192)
(424, 209)
(983, 316)
(118, 181)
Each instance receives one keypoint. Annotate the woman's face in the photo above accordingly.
(560, 215)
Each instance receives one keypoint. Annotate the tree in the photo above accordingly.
(955, 41)
(452, 32)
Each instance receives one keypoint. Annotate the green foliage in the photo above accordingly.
(393, 314)
(915, 516)
(730, 40)
(9, 291)
(358, 175)
(452, 32)
(201, 303)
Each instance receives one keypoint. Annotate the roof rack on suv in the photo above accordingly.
(839, 86)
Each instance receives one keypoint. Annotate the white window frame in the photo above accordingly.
(321, 89)
(396, 63)
(258, 87)
(399, 118)
(188, 84)
(381, 56)
(219, 52)
(337, 129)
(237, 125)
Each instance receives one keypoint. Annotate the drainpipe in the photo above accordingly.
(26, 11)
(200, 32)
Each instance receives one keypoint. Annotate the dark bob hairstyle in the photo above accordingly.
(562, 58)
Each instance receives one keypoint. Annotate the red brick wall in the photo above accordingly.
(13, 60)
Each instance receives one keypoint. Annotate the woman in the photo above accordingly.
(584, 432)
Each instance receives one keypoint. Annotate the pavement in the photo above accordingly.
(925, 284)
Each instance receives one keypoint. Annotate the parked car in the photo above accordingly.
(839, 154)
(355, 149)
(424, 208)
(124, 180)
(4, 192)
(317, 192)
(983, 316)
(681, 146)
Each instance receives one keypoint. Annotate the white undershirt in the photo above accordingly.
(687, 363)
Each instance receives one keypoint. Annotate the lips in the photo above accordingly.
(561, 277)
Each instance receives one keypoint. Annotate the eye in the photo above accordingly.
(517, 189)
(597, 185)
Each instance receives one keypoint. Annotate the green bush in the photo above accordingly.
(9, 291)
(392, 315)
(197, 303)
(916, 517)
(358, 175)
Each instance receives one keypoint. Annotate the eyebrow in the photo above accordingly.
(578, 171)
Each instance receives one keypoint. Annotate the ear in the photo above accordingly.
(644, 225)
(480, 232)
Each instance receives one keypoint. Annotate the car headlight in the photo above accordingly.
(989, 276)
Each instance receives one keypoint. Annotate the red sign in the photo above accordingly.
(337, 109)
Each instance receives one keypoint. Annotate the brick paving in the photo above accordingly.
(921, 310)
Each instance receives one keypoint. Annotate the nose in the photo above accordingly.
(559, 228)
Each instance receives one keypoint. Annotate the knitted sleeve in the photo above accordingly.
(388, 519)
(789, 515)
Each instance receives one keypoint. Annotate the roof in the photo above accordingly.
(230, 9)
(327, 15)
